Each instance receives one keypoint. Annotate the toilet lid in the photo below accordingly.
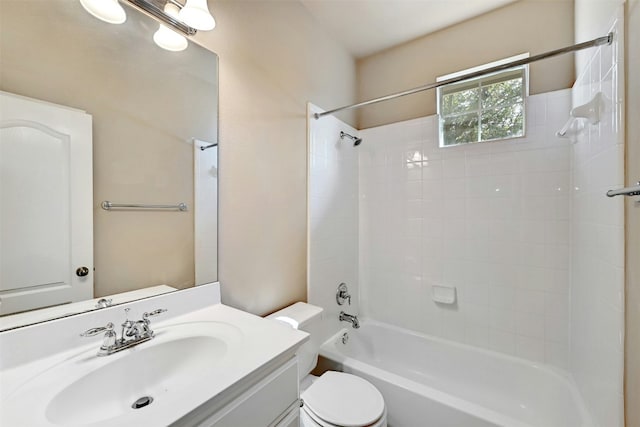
(344, 400)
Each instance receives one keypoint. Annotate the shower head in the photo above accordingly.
(355, 139)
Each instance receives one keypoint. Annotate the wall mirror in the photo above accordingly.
(149, 113)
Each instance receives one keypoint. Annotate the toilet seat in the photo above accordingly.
(340, 399)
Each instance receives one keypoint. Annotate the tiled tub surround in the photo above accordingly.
(597, 244)
(520, 227)
(491, 219)
(333, 217)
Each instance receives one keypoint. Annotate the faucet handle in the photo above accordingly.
(343, 294)
(95, 331)
(104, 302)
(154, 313)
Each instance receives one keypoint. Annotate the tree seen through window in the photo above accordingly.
(483, 109)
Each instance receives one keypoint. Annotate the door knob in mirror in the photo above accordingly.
(82, 271)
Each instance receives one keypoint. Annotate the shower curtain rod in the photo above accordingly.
(592, 43)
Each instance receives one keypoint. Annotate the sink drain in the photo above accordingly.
(142, 402)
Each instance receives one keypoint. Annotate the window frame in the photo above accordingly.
(479, 82)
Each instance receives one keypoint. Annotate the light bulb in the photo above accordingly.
(195, 13)
(168, 39)
(165, 37)
(106, 10)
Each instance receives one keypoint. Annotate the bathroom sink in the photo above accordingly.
(111, 390)
(90, 390)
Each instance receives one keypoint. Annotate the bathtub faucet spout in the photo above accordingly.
(344, 317)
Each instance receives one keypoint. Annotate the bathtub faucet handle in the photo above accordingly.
(343, 294)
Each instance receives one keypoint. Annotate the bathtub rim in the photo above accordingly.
(329, 350)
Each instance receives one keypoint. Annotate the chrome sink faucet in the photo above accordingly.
(344, 317)
(133, 333)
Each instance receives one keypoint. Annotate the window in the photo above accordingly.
(483, 109)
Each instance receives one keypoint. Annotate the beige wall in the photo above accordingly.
(533, 26)
(632, 355)
(273, 59)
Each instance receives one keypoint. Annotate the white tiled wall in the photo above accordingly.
(491, 219)
(333, 216)
(597, 301)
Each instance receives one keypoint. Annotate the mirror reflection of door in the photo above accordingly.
(46, 218)
(205, 186)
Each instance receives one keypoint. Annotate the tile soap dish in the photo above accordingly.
(443, 294)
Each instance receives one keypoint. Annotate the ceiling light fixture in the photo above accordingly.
(106, 10)
(191, 16)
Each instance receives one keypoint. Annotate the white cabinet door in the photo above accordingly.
(46, 212)
(266, 403)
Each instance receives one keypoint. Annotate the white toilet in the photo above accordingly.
(335, 398)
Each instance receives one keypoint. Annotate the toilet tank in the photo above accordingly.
(307, 318)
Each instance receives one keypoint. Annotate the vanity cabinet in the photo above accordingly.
(273, 401)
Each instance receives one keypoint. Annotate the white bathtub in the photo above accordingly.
(430, 382)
